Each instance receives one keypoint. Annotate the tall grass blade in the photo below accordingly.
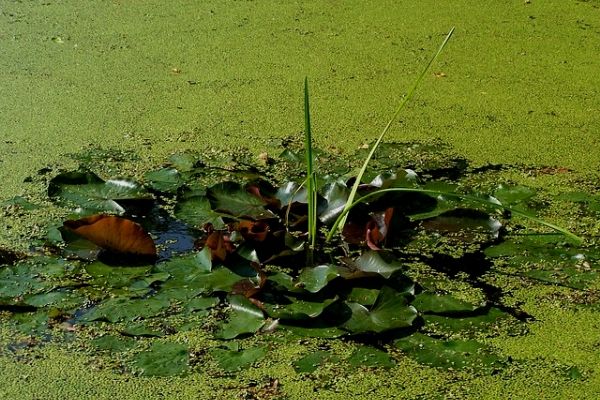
(311, 186)
(340, 222)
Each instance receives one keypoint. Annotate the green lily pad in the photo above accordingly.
(166, 180)
(231, 198)
(125, 309)
(140, 329)
(244, 317)
(315, 329)
(113, 343)
(114, 276)
(513, 195)
(197, 211)
(372, 261)
(336, 194)
(366, 297)
(297, 309)
(163, 359)
(434, 303)
(366, 356)
(93, 195)
(232, 358)
(316, 278)
(467, 324)
(448, 354)
(390, 311)
(310, 362)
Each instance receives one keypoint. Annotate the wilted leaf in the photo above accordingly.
(114, 234)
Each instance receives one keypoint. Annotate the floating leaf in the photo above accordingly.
(336, 194)
(232, 358)
(366, 356)
(163, 359)
(231, 198)
(391, 311)
(454, 324)
(297, 309)
(121, 308)
(310, 362)
(113, 343)
(513, 195)
(316, 278)
(166, 180)
(372, 261)
(434, 303)
(114, 277)
(197, 211)
(244, 317)
(316, 330)
(115, 235)
(450, 354)
(463, 224)
(92, 195)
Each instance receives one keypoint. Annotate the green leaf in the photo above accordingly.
(108, 276)
(453, 324)
(310, 362)
(120, 309)
(512, 195)
(93, 195)
(163, 359)
(315, 330)
(113, 343)
(336, 194)
(140, 329)
(166, 180)
(231, 198)
(234, 359)
(391, 311)
(244, 317)
(297, 309)
(366, 356)
(449, 354)
(316, 278)
(372, 261)
(434, 303)
(366, 297)
(197, 211)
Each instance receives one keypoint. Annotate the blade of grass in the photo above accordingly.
(340, 222)
(574, 238)
(311, 186)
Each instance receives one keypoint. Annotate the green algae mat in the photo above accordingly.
(173, 119)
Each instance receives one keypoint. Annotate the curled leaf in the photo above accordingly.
(114, 234)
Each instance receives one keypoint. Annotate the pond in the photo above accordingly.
(102, 87)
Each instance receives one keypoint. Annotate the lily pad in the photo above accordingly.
(316, 278)
(434, 303)
(390, 311)
(449, 354)
(232, 358)
(310, 362)
(92, 195)
(366, 356)
(244, 317)
(232, 199)
(166, 180)
(197, 211)
(162, 359)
